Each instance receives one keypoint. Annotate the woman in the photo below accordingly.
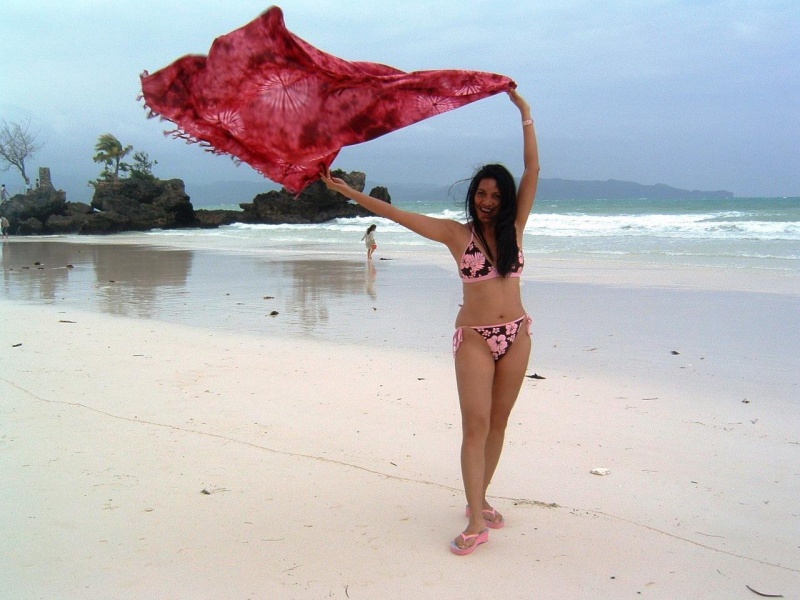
(369, 240)
(492, 341)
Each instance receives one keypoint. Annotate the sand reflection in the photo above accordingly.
(323, 297)
(39, 271)
(139, 281)
(369, 280)
(317, 285)
(117, 279)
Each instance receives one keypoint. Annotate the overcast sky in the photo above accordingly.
(701, 94)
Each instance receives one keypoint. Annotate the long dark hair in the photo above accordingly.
(505, 231)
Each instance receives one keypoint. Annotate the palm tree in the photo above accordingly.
(110, 151)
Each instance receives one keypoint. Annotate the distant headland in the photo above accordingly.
(567, 189)
(235, 192)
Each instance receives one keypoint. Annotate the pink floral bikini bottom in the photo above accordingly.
(498, 337)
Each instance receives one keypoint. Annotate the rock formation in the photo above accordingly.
(141, 204)
(27, 213)
(316, 204)
(124, 205)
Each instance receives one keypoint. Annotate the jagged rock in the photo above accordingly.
(123, 205)
(30, 226)
(381, 193)
(104, 222)
(209, 219)
(138, 191)
(71, 223)
(142, 204)
(316, 204)
(175, 200)
(78, 208)
(37, 204)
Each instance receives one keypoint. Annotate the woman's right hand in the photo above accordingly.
(334, 183)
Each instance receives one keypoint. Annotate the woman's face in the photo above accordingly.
(487, 201)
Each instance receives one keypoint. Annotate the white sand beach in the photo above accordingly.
(151, 457)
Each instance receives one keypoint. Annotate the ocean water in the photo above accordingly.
(738, 233)
(314, 281)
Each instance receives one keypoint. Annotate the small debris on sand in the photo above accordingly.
(600, 471)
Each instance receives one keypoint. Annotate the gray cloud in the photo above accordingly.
(699, 95)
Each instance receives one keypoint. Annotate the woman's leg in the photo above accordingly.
(508, 377)
(474, 375)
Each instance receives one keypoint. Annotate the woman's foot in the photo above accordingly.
(466, 543)
(491, 517)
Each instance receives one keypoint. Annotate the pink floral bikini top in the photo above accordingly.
(476, 267)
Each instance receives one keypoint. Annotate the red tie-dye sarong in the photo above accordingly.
(277, 103)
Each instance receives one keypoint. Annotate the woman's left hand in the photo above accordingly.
(520, 103)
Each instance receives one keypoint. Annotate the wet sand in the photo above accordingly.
(326, 437)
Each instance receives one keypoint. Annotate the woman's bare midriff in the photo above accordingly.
(490, 302)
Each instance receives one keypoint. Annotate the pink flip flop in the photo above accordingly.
(480, 538)
(489, 516)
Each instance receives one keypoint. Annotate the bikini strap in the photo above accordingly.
(458, 337)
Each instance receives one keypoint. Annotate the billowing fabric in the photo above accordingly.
(286, 108)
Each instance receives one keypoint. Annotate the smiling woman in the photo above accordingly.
(490, 349)
(492, 204)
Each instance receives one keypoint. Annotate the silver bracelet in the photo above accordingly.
(527, 122)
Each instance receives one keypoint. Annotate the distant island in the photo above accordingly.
(235, 192)
(567, 189)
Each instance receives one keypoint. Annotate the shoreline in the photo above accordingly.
(327, 436)
(635, 270)
(587, 316)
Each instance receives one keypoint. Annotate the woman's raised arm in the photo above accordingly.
(530, 175)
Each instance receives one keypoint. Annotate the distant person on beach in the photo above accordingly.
(3, 193)
(4, 225)
(369, 240)
(492, 342)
